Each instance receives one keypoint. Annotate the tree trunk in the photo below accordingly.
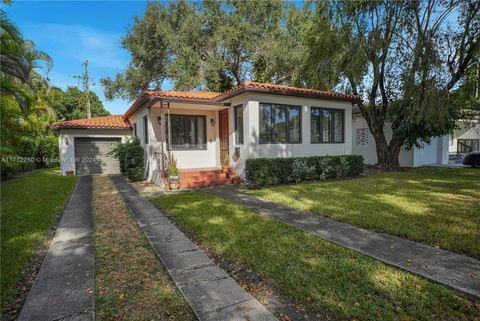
(387, 155)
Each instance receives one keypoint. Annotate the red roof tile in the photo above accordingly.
(251, 86)
(202, 95)
(248, 86)
(286, 90)
(113, 121)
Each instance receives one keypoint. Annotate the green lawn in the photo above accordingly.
(439, 207)
(28, 208)
(326, 278)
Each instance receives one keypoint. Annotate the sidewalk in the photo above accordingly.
(211, 293)
(461, 273)
(64, 287)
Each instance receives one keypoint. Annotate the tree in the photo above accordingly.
(213, 45)
(72, 104)
(406, 61)
(20, 108)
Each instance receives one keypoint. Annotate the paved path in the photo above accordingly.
(462, 273)
(210, 292)
(64, 287)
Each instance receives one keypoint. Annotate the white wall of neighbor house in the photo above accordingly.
(466, 130)
(363, 143)
(66, 143)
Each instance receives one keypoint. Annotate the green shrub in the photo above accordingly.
(270, 171)
(33, 152)
(131, 158)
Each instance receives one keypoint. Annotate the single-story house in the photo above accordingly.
(200, 129)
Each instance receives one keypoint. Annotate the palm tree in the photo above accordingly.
(18, 60)
(21, 104)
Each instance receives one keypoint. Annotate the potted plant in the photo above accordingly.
(226, 164)
(173, 174)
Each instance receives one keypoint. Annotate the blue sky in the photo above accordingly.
(72, 31)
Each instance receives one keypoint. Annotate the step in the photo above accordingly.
(190, 184)
(200, 173)
(221, 176)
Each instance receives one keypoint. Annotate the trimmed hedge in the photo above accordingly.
(271, 171)
(131, 158)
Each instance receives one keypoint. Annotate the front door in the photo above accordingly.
(223, 127)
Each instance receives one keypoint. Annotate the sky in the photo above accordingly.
(73, 31)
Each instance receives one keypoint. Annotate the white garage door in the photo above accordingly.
(91, 156)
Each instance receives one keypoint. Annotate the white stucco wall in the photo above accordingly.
(253, 149)
(210, 158)
(434, 153)
(66, 143)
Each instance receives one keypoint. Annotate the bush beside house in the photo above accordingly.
(131, 158)
(270, 171)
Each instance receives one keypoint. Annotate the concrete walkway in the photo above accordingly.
(461, 273)
(210, 292)
(64, 287)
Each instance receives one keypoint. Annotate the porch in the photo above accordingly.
(195, 135)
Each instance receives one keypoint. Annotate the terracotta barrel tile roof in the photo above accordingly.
(251, 86)
(248, 86)
(286, 90)
(113, 121)
(202, 95)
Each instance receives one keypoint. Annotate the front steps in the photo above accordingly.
(194, 178)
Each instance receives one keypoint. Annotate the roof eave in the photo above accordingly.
(137, 104)
(282, 93)
(89, 127)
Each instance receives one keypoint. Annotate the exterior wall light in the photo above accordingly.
(212, 122)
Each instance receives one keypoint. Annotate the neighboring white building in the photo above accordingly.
(466, 138)
(436, 152)
(200, 129)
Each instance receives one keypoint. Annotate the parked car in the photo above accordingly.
(472, 159)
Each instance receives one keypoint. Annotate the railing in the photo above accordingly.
(463, 148)
(162, 161)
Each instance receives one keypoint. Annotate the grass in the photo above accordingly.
(130, 282)
(336, 282)
(439, 207)
(29, 205)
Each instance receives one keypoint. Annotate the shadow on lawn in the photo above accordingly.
(323, 276)
(29, 208)
(429, 208)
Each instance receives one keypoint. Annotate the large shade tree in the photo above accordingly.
(404, 59)
(213, 45)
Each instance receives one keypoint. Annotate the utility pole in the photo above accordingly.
(87, 93)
